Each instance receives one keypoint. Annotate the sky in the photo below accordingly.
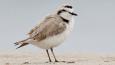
(94, 29)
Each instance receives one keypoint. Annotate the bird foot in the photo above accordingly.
(65, 61)
(56, 61)
(48, 62)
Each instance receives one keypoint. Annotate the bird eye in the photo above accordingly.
(63, 10)
(60, 11)
(68, 6)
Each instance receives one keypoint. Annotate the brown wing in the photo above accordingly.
(49, 27)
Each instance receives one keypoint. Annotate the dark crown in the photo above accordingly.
(68, 6)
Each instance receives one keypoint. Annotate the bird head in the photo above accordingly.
(66, 11)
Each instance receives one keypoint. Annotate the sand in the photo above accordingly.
(41, 59)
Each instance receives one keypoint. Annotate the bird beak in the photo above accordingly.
(74, 14)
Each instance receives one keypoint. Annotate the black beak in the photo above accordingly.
(74, 14)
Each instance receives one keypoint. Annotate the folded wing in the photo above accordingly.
(49, 27)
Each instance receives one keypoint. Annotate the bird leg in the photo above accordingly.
(56, 59)
(48, 55)
(54, 55)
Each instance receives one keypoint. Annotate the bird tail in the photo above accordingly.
(21, 43)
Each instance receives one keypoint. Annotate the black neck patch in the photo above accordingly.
(65, 20)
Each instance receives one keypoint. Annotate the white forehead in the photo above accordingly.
(68, 9)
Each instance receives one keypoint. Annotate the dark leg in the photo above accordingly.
(48, 55)
(57, 60)
(54, 55)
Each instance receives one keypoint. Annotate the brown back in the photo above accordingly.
(51, 26)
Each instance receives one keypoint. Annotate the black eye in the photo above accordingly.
(67, 6)
(61, 11)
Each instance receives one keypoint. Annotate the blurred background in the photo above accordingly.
(94, 29)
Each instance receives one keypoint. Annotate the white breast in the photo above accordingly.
(55, 40)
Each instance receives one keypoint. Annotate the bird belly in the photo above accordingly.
(50, 42)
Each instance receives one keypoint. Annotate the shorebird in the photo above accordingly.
(52, 31)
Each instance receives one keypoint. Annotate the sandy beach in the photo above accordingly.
(41, 59)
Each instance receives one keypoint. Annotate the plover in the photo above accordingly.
(52, 31)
